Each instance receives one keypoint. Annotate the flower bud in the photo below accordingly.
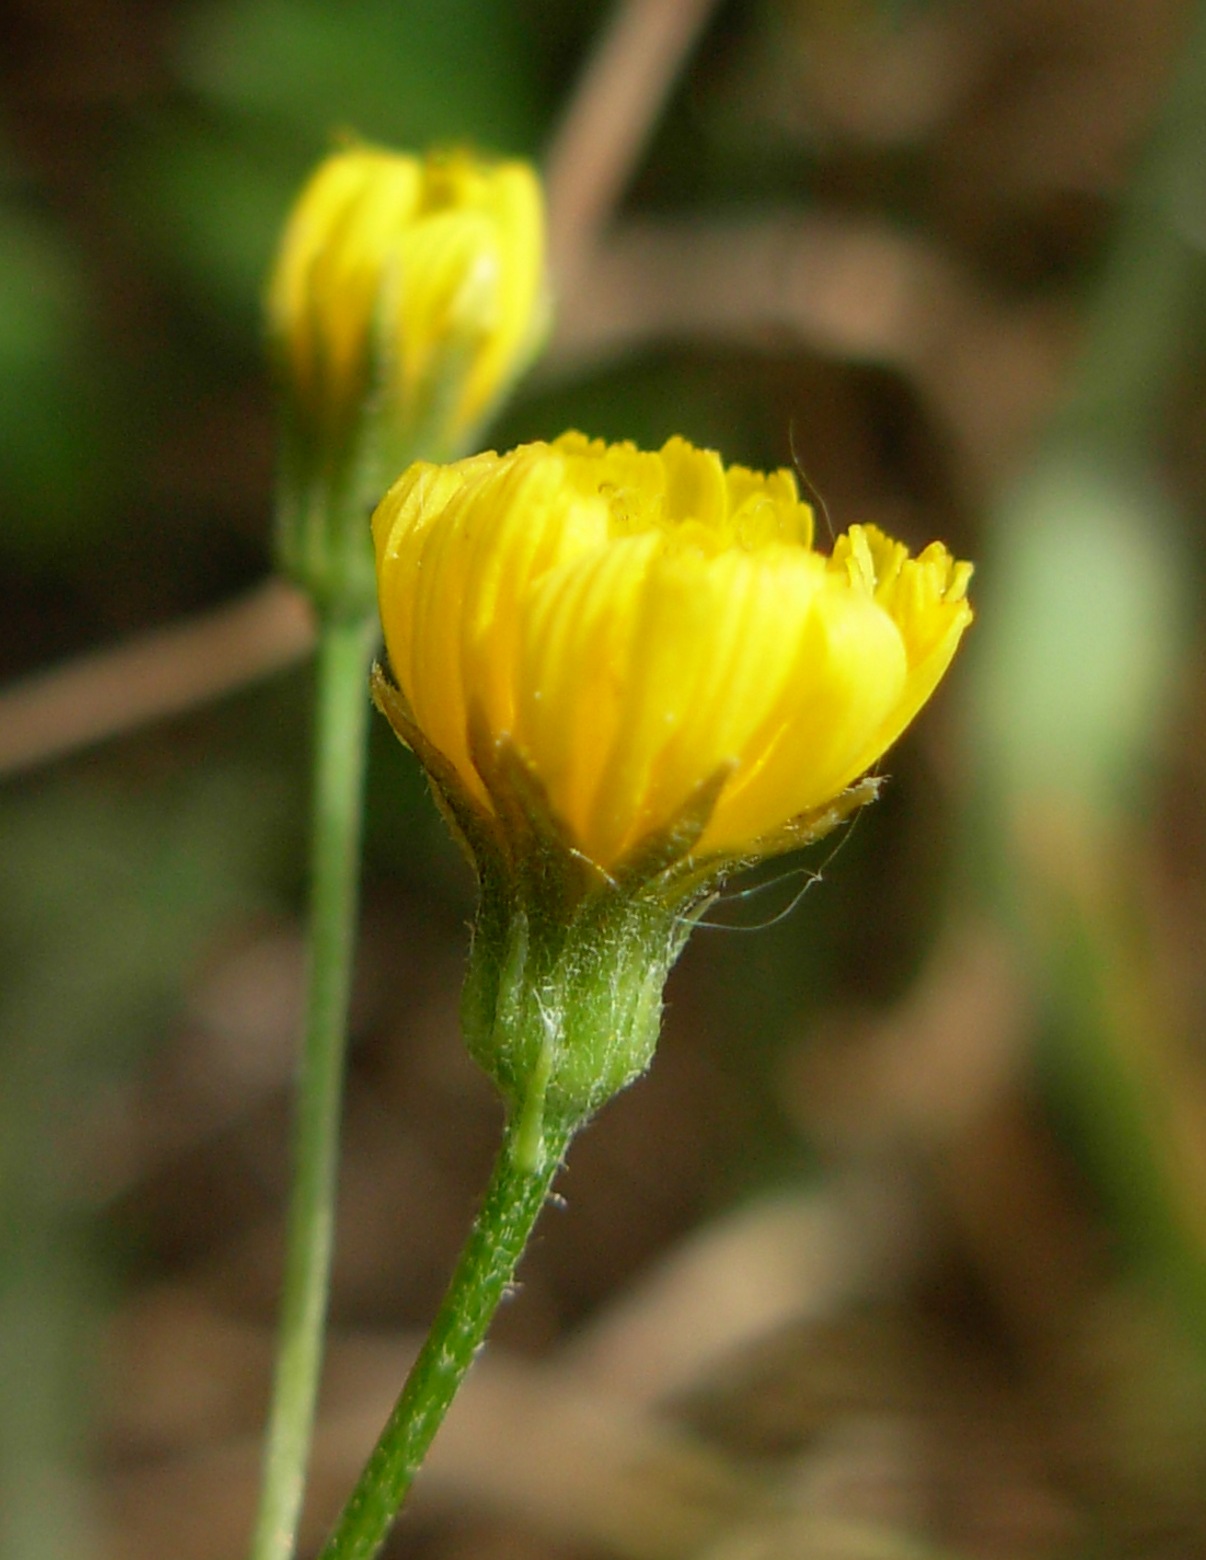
(407, 295)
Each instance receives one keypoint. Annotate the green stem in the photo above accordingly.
(345, 647)
(517, 1192)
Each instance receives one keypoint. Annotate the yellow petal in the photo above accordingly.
(849, 672)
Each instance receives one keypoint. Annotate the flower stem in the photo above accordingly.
(517, 1192)
(345, 647)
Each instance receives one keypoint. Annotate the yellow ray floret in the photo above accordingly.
(637, 623)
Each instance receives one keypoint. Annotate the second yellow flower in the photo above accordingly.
(419, 280)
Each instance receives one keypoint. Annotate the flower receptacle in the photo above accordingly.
(565, 1013)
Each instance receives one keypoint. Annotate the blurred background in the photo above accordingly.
(899, 1252)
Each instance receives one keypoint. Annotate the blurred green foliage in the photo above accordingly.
(48, 431)
(1078, 684)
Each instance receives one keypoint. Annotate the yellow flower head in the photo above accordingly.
(414, 281)
(650, 637)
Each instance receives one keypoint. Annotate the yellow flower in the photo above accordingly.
(640, 630)
(419, 281)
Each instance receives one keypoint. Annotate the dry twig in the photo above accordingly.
(609, 118)
(112, 691)
(856, 290)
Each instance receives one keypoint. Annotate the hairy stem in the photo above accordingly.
(517, 1192)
